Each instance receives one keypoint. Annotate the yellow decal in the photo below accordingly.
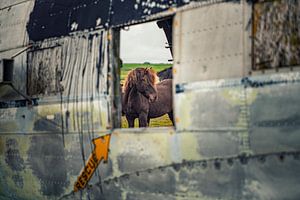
(100, 152)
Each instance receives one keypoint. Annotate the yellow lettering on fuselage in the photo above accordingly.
(100, 152)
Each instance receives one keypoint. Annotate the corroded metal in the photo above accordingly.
(276, 34)
(236, 136)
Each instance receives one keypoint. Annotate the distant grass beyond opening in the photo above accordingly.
(129, 66)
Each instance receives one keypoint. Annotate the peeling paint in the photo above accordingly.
(193, 151)
(276, 32)
(46, 168)
(232, 138)
(183, 112)
(12, 155)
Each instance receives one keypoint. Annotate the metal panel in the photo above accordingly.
(212, 47)
(53, 19)
(85, 116)
(151, 164)
(40, 166)
(139, 10)
(13, 22)
(9, 4)
(276, 34)
(219, 108)
(223, 147)
(75, 65)
(13, 37)
(44, 71)
(275, 113)
(43, 146)
(216, 179)
(79, 66)
(210, 105)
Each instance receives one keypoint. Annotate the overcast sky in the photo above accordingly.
(144, 43)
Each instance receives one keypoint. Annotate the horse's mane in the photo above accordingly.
(132, 78)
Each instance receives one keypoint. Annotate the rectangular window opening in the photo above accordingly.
(146, 75)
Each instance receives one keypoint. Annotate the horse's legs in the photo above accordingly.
(148, 121)
(130, 121)
(171, 117)
(143, 119)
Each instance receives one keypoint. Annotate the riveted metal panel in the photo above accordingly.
(41, 166)
(52, 116)
(154, 163)
(215, 45)
(222, 148)
(275, 113)
(219, 109)
(156, 173)
(37, 140)
(210, 105)
(173, 146)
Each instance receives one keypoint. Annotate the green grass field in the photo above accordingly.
(129, 66)
(157, 122)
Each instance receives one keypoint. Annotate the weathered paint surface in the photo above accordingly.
(276, 33)
(68, 80)
(55, 19)
(99, 153)
(256, 116)
(236, 137)
(214, 47)
(13, 20)
(13, 38)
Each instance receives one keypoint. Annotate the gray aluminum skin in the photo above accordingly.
(237, 133)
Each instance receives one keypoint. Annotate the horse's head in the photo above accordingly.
(144, 80)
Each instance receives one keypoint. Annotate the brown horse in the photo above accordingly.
(144, 99)
(165, 74)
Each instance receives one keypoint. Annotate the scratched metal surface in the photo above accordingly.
(256, 117)
(7, 4)
(69, 87)
(69, 82)
(214, 43)
(235, 138)
(54, 19)
(13, 38)
(276, 32)
(40, 167)
(269, 177)
(13, 21)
